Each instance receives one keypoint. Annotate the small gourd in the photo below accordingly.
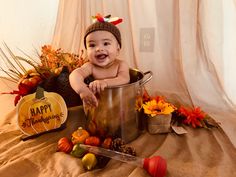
(77, 151)
(107, 143)
(89, 161)
(79, 135)
(93, 141)
(64, 145)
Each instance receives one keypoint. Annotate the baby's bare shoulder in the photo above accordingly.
(85, 70)
(123, 64)
(120, 61)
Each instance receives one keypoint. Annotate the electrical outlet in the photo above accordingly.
(147, 36)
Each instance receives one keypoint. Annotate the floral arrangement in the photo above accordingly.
(49, 64)
(55, 60)
(151, 106)
(157, 106)
(193, 117)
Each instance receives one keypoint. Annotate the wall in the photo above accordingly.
(27, 24)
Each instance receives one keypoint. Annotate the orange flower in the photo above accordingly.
(146, 96)
(158, 98)
(54, 60)
(47, 49)
(193, 117)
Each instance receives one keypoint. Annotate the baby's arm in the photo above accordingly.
(77, 83)
(122, 78)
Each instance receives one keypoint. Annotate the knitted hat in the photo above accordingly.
(103, 26)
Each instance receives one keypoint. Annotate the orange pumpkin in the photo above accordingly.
(64, 145)
(79, 136)
(92, 140)
(31, 78)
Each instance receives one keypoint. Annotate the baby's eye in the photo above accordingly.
(107, 43)
(91, 45)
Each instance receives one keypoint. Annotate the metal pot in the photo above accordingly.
(116, 115)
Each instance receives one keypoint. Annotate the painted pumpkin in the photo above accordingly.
(40, 114)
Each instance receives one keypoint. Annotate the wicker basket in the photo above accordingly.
(159, 124)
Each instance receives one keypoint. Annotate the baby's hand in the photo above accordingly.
(89, 99)
(97, 86)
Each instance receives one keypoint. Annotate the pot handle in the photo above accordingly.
(148, 79)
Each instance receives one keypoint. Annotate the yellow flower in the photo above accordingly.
(154, 108)
(150, 107)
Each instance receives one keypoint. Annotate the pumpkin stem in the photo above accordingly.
(39, 93)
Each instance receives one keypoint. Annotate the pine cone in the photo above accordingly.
(116, 144)
(128, 150)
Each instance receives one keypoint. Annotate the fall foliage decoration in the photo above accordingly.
(45, 68)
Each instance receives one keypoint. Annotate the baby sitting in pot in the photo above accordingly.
(102, 41)
(110, 111)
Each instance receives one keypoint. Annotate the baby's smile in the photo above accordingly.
(101, 56)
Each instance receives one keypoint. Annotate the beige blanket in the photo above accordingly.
(200, 152)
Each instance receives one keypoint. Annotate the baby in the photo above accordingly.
(102, 42)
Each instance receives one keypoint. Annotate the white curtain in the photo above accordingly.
(190, 47)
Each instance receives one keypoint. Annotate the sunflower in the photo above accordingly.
(154, 107)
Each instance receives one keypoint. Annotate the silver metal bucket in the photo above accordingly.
(116, 115)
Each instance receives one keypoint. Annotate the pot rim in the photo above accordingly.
(129, 84)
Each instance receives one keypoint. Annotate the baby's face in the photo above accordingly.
(102, 48)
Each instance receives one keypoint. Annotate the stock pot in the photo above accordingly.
(115, 115)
